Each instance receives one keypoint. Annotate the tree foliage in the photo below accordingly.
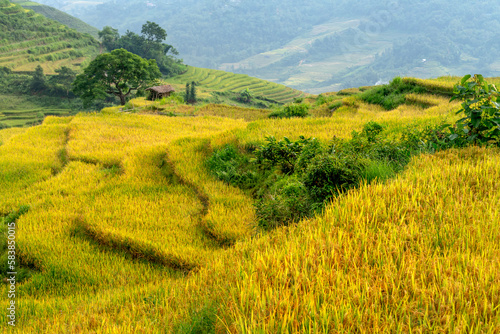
(481, 107)
(39, 81)
(117, 73)
(148, 45)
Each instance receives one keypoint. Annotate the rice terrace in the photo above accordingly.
(239, 205)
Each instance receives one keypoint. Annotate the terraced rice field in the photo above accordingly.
(28, 39)
(22, 118)
(215, 80)
(128, 232)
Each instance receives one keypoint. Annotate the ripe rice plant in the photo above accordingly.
(130, 233)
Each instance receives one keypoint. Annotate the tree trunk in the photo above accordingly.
(122, 99)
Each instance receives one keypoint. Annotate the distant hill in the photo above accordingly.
(59, 16)
(316, 45)
(29, 39)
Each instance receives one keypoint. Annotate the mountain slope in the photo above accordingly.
(59, 16)
(29, 39)
(390, 38)
(220, 81)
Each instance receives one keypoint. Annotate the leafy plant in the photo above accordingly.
(330, 174)
(246, 96)
(283, 153)
(481, 107)
(228, 165)
(291, 110)
(393, 95)
(286, 202)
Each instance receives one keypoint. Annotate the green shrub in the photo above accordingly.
(228, 165)
(291, 110)
(377, 170)
(393, 95)
(481, 107)
(200, 322)
(330, 174)
(335, 105)
(287, 202)
(283, 153)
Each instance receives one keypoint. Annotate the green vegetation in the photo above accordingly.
(117, 73)
(149, 45)
(294, 179)
(59, 16)
(321, 46)
(30, 39)
(28, 99)
(291, 110)
(481, 107)
(218, 83)
(128, 225)
(393, 95)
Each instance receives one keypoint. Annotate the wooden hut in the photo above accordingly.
(158, 92)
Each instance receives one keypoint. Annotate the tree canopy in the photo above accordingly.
(148, 45)
(117, 73)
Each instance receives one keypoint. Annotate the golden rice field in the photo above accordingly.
(127, 231)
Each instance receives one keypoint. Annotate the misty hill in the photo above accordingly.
(316, 45)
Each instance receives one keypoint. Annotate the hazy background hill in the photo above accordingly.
(316, 45)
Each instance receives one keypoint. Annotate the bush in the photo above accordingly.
(291, 110)
(283, 153)
(287, 202)
(481, 108)
(393, 95)
(228, 165)
(329, 174)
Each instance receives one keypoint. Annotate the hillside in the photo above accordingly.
(317, 46)
(211, 81)
(121, 224)
(59, 16)
(29, 39)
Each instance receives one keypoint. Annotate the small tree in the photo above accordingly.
(64, 78)
(188, 93)
(117, 73)
(38, 82)
(109, 37)
(193, 92)
(246, 96)
(481, 106)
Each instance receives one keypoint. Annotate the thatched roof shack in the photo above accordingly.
(157, 92)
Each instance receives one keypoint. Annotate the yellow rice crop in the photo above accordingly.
(6, 134)
(120, 202)
(248, 114)
(417, 254)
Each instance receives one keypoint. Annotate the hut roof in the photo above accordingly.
(162, 89)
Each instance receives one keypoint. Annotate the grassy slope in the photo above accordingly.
(38, 40)
(213, 80)
(106, 190)
(59, 16)
(31, 39)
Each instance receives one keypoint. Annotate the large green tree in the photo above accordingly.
(149, 45)
(117, 73)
